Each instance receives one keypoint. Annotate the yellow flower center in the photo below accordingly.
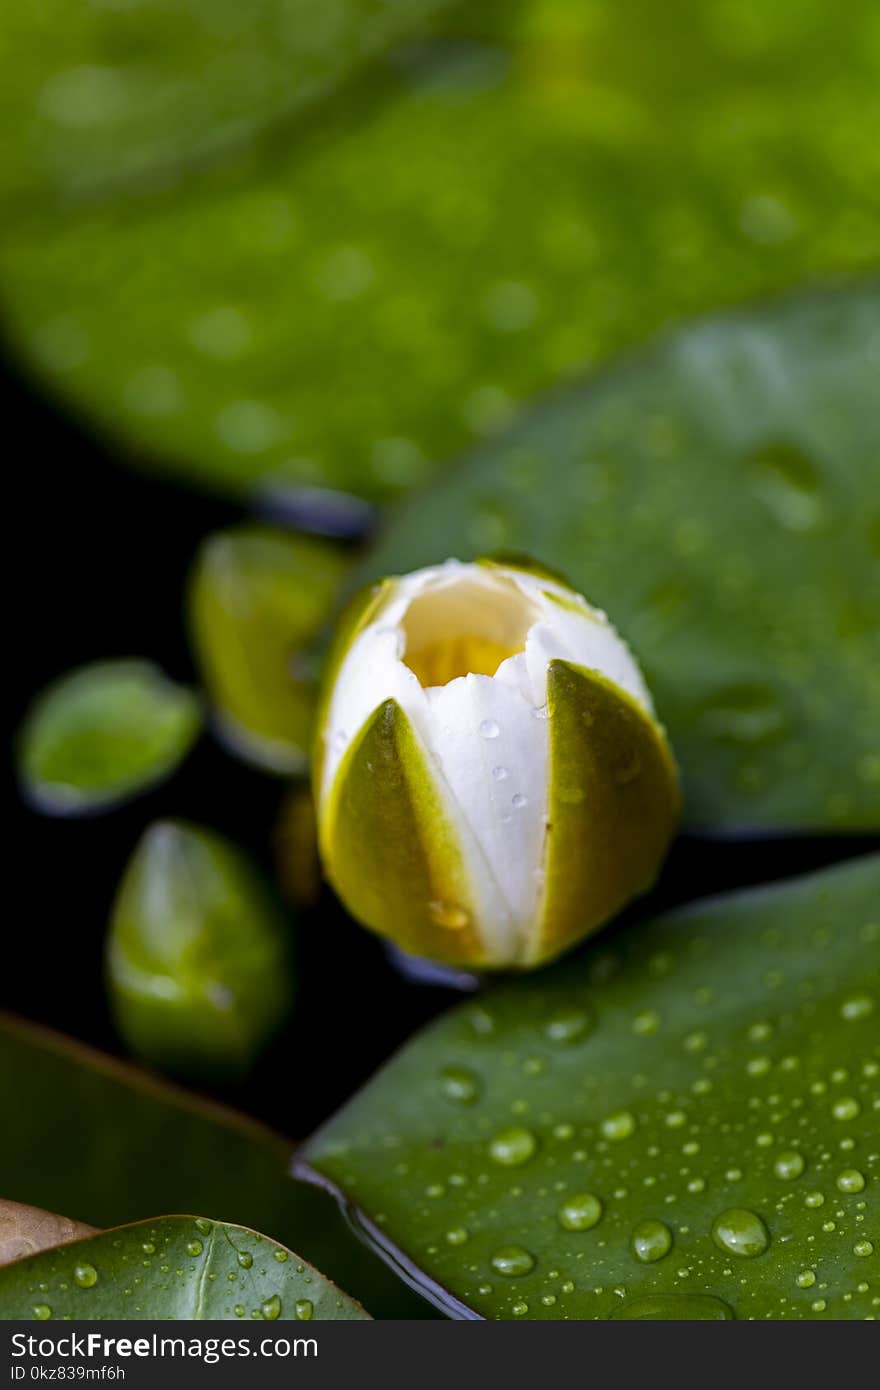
(467, 627)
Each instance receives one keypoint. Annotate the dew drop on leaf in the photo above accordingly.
(459, 1085)
(580, 1212)
(740, 1232)
(513, 1261)
(513, 1145)
(650, 1241)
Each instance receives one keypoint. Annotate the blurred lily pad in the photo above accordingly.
(258, 599)
(106, 93)
(719, 495)
(199, 956)
(684, 1113)
(101, 734)
(188, 1268)
(537, 185)
(132, 1143)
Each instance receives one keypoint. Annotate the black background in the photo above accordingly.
(98, 557)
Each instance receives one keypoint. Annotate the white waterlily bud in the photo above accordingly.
(491, 781)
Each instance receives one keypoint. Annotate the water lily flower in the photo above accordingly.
(491, 781)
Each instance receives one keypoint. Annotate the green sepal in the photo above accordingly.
(613, 805)
(389, 847)
(198, 955)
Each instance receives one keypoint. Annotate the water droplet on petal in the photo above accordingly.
(489, 729)
(451, 916)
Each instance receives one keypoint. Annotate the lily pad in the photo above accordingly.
(199, 955)
(540, 184)
(685, 1111)
(175, 1267)
(108, 93)
(719, 495)
(258, 598)
(132, 1143)
(102, 733)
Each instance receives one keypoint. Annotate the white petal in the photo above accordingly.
(570, 629)
(492, 752)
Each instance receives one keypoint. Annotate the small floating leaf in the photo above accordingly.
(649, 1175)
(258, 598)
(649, 484)
(169, 1149)
(102, 733)
(198, 955)
(173, 1267)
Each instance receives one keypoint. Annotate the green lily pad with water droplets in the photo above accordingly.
(133, 1143)
(540, 184)
(103, 733)
(171, 1268)
(687, 1110)
(107, 94)
(719, 495)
